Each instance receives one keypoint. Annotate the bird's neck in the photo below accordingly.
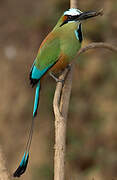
(66, 30)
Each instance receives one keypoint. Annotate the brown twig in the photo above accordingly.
(60, 105)
(73, 3)
(97, 45)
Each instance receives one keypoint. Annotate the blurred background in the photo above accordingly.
(92, 122)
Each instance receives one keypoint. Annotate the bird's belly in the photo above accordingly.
(61, 64)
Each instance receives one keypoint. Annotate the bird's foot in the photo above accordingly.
(69, 66)
(55, 78)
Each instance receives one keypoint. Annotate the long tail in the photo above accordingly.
(23, 164)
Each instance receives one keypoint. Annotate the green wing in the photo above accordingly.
(49, 52)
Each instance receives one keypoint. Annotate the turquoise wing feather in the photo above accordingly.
(47, 56)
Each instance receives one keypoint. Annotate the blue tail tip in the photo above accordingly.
(23, 165)
(35, 113)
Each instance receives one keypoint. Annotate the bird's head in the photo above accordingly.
(74, 15)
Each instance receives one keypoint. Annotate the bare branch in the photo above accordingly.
(60, 129)
(73, 3)
(60, 105)
(57, 94)
(65, 97)
(97, 45)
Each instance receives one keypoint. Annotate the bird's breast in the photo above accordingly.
(70, 45)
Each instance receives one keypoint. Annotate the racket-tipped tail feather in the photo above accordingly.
(23, 165)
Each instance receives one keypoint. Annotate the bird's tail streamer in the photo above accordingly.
(23, 164)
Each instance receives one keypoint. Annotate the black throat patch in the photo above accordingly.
(79, 33)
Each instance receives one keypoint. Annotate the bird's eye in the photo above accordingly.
(65, 18)
(69, 17)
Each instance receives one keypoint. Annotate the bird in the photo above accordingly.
(55, 53)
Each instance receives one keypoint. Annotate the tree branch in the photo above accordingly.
(60, 105)
(97, 45)
(73, 3)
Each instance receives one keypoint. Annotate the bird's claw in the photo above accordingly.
(69, 66)
(55, 78)
(60, 80)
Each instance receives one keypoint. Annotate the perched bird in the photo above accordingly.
(55, 53)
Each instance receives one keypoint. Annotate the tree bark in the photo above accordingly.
(73, 3)
(61, 104)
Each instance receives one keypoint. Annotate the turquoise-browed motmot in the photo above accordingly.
(55, 53)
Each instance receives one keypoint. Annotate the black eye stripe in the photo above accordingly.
(71, 18)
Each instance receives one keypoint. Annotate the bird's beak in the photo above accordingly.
(87, 15)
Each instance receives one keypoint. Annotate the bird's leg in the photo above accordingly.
(55, 78)
(69, 66)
